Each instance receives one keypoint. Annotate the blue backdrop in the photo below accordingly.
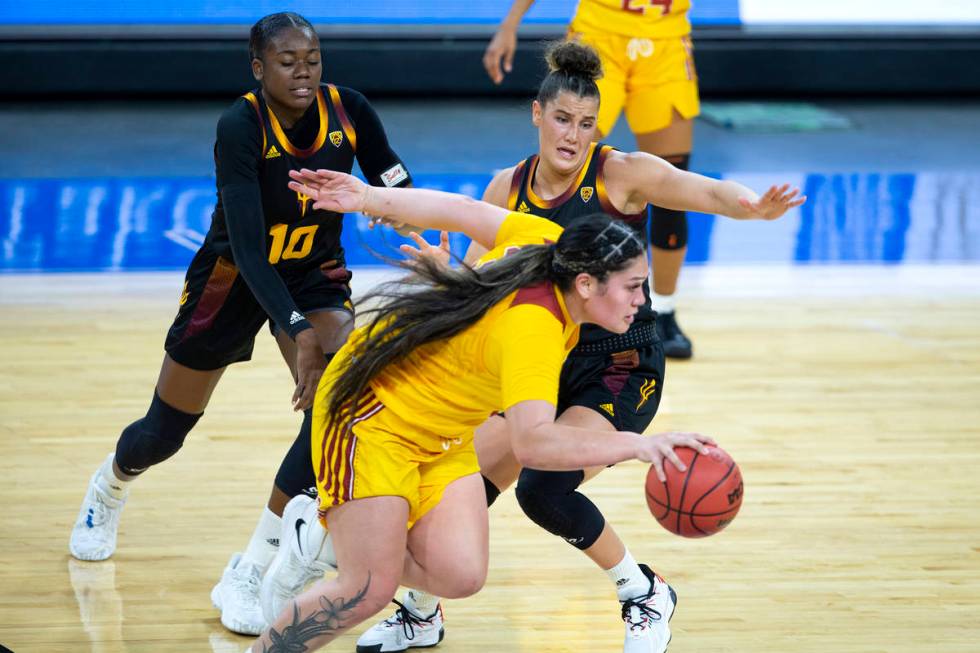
(156, 223)
(190, 12)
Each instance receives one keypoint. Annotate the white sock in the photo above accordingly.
(629, 579)
(421, 603)
(264, 544)
(662, 303)
(108, 483)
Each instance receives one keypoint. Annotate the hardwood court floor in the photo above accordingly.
(849, 396)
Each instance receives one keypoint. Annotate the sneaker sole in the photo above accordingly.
(376, 648)
(673, 608)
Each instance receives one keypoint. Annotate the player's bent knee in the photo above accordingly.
(378, 592)
(464, 582)
(549, 499)
(154, 438)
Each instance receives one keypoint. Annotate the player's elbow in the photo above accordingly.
(531, 450)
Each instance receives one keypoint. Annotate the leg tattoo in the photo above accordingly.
(329, 619)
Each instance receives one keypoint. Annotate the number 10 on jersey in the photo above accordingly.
(298, 245)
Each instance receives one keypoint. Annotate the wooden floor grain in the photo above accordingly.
(850, 397)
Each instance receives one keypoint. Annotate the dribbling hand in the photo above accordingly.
(657, 448)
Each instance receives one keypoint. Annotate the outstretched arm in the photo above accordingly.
(429, 209)
(647, 179)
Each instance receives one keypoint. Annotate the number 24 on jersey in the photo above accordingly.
(640, 6)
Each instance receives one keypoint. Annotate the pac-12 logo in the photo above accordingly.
(336, 137)
(586, 193)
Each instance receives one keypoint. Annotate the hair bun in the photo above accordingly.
(573, 59)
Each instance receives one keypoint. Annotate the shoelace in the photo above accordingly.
(407, 620)
(644, 612)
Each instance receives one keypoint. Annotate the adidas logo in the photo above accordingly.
(622, 581)
(296, 317)
(523, 208)
(272, 153)
(272, 541)
(608, 408)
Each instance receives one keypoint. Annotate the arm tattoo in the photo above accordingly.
(328, 619)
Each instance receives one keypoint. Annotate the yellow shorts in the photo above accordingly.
(646, 77)
(377, 455)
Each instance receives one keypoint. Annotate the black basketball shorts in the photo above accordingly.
(219, 316)
(624, 387)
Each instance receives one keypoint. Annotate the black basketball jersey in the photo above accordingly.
(297, 235)
(584, 197)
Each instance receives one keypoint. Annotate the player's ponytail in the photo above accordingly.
(434, 303)
(572, 67)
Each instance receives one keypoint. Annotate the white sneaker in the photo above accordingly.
(647, 617)
(305, 554)
(403, 630)
(237, 596)
(93, 537)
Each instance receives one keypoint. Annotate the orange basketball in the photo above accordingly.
(701, 501)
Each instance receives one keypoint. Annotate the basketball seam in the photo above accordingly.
(687, 512)
(712, 489)
(687, 477)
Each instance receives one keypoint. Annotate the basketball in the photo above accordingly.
(701, 501)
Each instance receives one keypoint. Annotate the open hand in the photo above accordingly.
(438, 254)
(330, 190)
(777, 201)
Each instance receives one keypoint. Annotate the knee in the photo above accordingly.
(368, 594)
(154, 438)
(549, 499)
(668, 229)
(464, 582)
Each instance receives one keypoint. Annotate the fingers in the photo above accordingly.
(304, 188)
(491, 63)
(306, 391)
(658, 466)
(668, 452)
(694, 441)
(508, 61)
(410, 251)
(419, 240)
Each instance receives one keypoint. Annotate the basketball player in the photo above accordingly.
(610, 381)
(394, 415)
(269, 255)
(647, 57)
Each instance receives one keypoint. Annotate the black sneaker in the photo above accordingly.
(676, 344)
